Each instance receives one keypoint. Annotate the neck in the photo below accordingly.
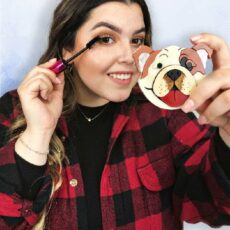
(92, 113)
(92, 103)
(87, 97)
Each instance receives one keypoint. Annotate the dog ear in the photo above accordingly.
(204, 52)
(141, 55)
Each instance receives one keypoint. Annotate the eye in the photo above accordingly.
(159, 65)
(188, 64)
(106, 39)
(138, 41)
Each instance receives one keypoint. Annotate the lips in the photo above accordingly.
(174, 98)
(120, 76)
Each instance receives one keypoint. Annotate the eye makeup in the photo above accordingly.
(111, 37)
(109, 30)
(62, 64)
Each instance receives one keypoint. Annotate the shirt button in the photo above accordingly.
(73, 182)
(27, 212)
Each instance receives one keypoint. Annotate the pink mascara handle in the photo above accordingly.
(58, 67)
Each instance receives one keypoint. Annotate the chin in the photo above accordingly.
(119, 97)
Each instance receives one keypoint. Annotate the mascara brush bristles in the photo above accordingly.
(88, 46)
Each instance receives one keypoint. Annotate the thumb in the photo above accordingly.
(49, 63)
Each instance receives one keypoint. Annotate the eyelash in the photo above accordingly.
(106, 39)
(140, 41)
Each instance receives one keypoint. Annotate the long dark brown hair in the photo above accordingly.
(68, 17)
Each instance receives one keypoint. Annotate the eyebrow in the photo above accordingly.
(114, 28)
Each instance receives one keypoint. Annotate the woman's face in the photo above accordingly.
(107, 72)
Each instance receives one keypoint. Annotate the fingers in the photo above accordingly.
(49, 63)
(59, 88)
(221, 52)
(211, 98)
(216, 82)
(43, 69)
(217, 110)
(208, 88)
(62, 81)
(40, 81)
(38, 85)
(214, 42)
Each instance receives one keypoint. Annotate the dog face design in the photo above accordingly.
(169, 75)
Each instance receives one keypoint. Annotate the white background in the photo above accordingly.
(24, 27)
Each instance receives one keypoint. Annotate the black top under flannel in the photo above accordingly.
(92, 141)
(162, 168)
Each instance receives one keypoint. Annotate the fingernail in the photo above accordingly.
(188, 106)
(196, 37)
(202, 120)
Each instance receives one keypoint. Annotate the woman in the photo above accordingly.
(87, 151)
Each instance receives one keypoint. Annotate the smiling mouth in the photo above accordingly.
(120, 76)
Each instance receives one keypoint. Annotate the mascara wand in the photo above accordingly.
(62, 64)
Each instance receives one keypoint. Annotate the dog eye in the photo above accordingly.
(186, 63)
(159, 65)
(189, 65)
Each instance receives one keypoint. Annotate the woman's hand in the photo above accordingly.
(211, 98)
(41, 96)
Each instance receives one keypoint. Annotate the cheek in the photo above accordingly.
(95, 62)
(86, 65)
(103, 56)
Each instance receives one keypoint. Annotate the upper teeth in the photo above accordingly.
(120, 76)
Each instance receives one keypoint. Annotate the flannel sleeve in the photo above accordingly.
(202, 186)
(16, 211)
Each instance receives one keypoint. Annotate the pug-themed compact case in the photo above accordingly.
(169, 75)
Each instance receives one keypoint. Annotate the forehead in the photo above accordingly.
(118, 13)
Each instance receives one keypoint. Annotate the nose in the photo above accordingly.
(174, 74)
(126, 54)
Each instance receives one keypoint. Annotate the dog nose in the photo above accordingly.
(174, 74)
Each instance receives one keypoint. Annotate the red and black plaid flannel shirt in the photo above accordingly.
(162, 169)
